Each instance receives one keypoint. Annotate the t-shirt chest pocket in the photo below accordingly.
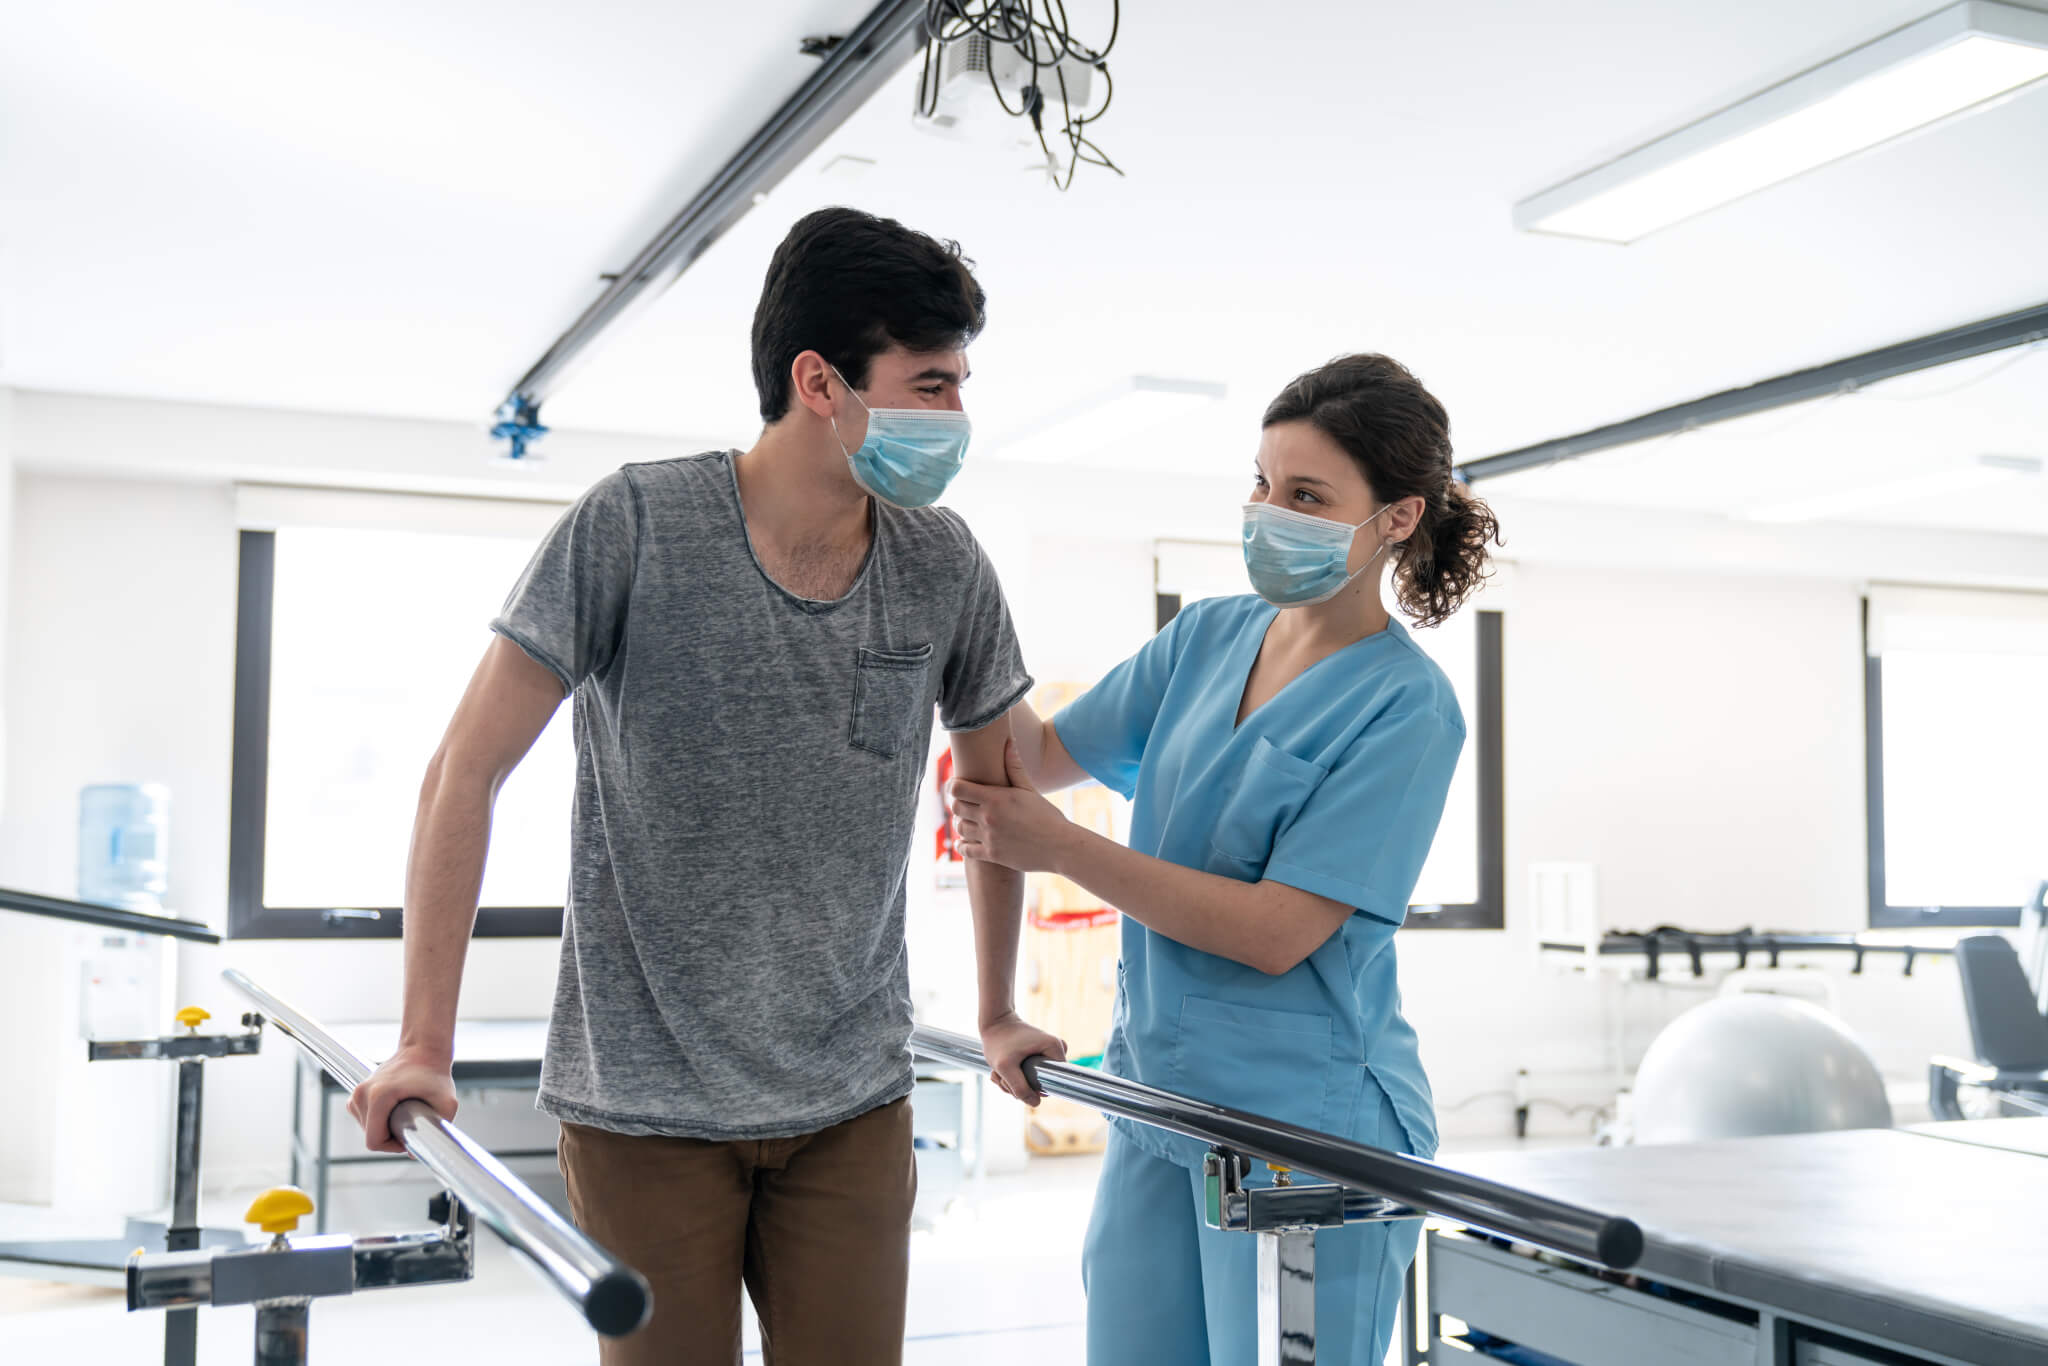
(1271, 789)
(888, 695)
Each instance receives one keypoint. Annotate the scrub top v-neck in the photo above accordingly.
(1333, 785)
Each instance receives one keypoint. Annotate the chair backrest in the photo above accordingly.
(2006, 1027)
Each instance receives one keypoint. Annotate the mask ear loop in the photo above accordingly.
(834, 417)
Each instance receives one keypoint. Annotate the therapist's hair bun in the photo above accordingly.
(1399, 434)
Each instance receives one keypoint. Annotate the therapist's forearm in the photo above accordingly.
(997, 895)
(1264, 925)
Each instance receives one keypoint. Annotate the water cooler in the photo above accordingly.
(113, 1131)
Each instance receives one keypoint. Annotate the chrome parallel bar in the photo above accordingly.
(106, 917)
(1511, 1213)
(612, 1297)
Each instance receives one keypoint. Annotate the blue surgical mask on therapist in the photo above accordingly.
(910, 454)
(1296, 560)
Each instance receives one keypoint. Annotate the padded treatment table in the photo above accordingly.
(1926, 1244)
(490, 1055)
(505, 1055)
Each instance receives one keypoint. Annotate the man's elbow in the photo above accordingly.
(452, 772)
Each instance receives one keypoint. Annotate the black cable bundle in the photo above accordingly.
(1038, 31)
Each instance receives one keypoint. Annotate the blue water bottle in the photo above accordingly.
(123, 833)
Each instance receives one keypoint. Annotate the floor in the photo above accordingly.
(996, 1281)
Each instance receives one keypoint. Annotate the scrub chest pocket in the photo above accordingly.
(1271, 791)
(888, 695)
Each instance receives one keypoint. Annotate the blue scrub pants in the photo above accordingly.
(1163, 1287)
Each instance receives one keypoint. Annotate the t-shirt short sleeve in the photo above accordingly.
(984, 673)
(1366, 830)
(568, 610)
(1106, 729)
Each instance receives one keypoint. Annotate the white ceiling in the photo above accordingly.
(1936, 420)
(392, 209)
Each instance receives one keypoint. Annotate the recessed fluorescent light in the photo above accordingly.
(1950, 62)
(1985, 470)
(1132, 407)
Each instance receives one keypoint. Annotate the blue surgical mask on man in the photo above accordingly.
(910, 454)
(1296, 560)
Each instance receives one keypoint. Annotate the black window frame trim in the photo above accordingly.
(248, 916)
(1489, 912)
(1883, 915)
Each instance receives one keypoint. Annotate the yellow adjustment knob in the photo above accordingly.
(192, 1017)
(279, 1209)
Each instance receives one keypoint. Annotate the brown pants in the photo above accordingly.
(818, 1228)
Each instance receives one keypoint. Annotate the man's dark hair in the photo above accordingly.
(848, 285)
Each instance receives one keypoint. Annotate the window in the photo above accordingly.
(353, 645)
(1463, 882)
(1956, 740)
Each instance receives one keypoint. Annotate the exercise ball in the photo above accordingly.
(1745, 1065)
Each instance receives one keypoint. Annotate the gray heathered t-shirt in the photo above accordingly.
(748, 766)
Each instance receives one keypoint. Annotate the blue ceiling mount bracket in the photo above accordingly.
(518, 426)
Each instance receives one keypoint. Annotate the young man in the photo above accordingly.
(755, 644)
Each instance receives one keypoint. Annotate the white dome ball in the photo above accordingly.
(1739, 1066)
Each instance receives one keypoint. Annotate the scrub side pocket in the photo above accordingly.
(1275, 1063)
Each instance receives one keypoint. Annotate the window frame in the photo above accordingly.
(248, 804)
(1882, 914)
(1489, 912)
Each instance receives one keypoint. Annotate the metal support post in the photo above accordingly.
(1287, 1298)
(181, 1326)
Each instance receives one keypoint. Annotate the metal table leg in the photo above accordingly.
(298, 1113)
(1287, 1298)
(320, 1160)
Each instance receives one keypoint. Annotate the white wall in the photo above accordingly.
(6, 564)
(1692, 727)
(1699, 740)
(121, 667)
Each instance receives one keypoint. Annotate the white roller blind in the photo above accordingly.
(1200, 569)
(1957, 621)
(272, 507)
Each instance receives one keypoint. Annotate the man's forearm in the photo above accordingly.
(443, 880)
(997, 895)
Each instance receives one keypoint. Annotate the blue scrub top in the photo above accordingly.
(1334, 786)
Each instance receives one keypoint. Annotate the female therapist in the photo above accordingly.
(1288, 755)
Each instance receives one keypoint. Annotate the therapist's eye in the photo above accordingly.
(1258, 480)
(1301, 494)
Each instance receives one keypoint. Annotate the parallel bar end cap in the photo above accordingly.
(619, 1303)
(1620, 1243)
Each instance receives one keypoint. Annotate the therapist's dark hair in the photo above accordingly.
(848, 285)
(1401, 438)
